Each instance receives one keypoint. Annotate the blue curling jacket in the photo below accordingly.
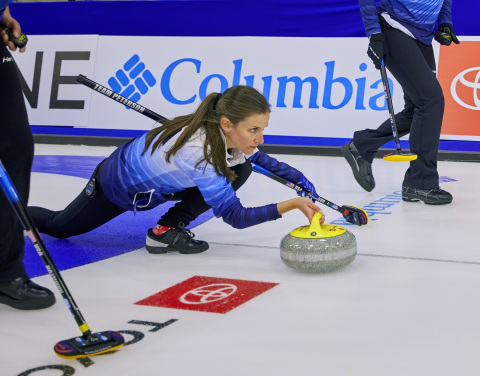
(127, 173)
(419, 17)
(3, 5)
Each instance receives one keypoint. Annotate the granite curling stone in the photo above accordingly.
(318, 248)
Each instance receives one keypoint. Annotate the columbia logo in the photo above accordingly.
(133, 80)
(445, 179)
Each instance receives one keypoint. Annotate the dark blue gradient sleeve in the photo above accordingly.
(445, 15)
(278, 168)
(240, 217)
(369, 12)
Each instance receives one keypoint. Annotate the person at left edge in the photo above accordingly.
(16, 154)
(200, 160)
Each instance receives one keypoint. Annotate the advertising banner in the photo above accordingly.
(459, 75)
(48, 69)
(317, 87)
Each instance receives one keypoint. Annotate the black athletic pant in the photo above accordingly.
(412, 63)
(16, 154)
(85, 214)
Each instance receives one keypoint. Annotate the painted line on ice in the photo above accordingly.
(363, 254)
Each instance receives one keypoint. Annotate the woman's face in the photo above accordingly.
(248, 134)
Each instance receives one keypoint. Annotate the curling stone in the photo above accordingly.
(318, 248)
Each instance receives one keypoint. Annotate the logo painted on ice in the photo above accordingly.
(474, 85)
(445, 179)
(379, 206)
(133, 80)
(208, 293)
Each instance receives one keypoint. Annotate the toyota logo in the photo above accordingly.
(208, 293)
(475, 85)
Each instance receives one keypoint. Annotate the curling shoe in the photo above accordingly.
(22, 293)
(174, 239)
(362, 169)
(434, 196)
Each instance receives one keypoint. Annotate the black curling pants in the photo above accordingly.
(85, 214)
(82, 215)
(16, 154)
(413, 65)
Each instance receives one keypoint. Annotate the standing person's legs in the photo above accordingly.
(16, 154)
(415, 71)
(191, 206)
(368, 141)
(421, 117)
(409, 61)
(361, 151)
